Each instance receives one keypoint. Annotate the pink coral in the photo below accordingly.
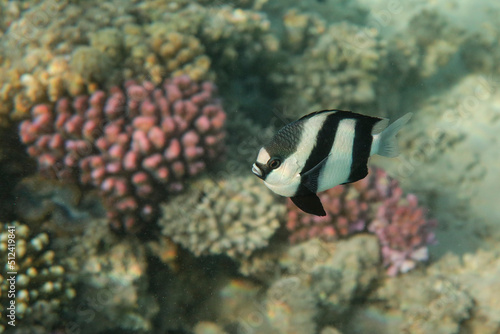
(403, 232)
(375, 204)
(134, 144)
(348, 209)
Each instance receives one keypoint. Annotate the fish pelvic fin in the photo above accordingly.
(385, 143)
(309, 203)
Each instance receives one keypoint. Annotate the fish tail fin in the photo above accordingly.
(386, 144)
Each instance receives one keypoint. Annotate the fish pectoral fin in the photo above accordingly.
(310, 178)
(309, 203)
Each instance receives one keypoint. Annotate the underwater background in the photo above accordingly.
(127, 134)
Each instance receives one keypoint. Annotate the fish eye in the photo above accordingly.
(274, 163)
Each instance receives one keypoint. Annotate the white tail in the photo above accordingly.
(385, 143)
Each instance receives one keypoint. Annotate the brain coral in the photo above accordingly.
(133, 144)
(233, 216)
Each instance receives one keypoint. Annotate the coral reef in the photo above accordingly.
(453, 295)
(477, 274)
(339, 70)
(481, 50)
(364, 65)
(332, 11)
(11, 11)
(14, 165)
(206, 327)
(244, 137)
(286, 307)
(337, 273)
(231, 216)
(176, 54)
(449, 296)
(237, 298)
(301, 288)
(43, 286)
(330, 330)
(461, 188)
(291, 307)
(374, 204)
(59, 49)
(424, 50)
(236, 34)
(60, 63)
(131, 144)
(430, 41)
(302, 29)
(191, 292)
(165, 250)
(57, 207)
(253, 4)
(110, 273)
(118, 277)
(403, 232)
(425, 303)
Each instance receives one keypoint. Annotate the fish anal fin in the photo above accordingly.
(309, 203)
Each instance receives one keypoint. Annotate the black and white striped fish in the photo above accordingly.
(322, 150)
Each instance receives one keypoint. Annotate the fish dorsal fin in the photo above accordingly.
(314, 113)
(309, 203)
(380, 126)
(310, 178)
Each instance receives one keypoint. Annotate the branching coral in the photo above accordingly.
(132, 143)
(403, 232)
(232, 217)
(374, 204)
(349, 209)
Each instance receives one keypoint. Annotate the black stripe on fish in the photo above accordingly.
(362, 145)
(322, 146)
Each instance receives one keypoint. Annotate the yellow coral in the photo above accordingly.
(56, 88)
(167, 50)
(176, 39)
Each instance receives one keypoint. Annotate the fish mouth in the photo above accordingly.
(257, 171)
